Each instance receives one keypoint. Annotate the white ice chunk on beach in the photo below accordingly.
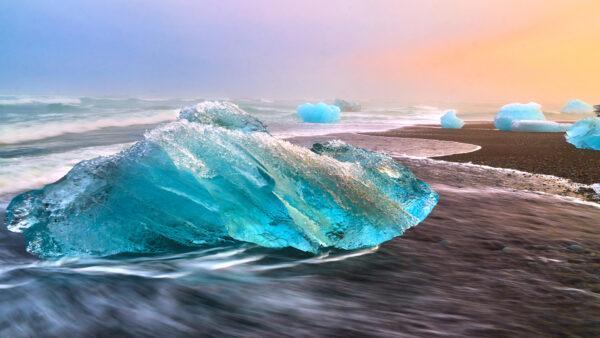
(585, 133)
(577, 107)
(450, 121)
(535, 126)
(518, 111)
(319, 113)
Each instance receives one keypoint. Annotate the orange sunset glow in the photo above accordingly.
(553, 57)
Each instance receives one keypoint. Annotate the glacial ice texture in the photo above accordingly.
(348, 106)
(450, 121)
(585, 133)
(577, 107)
(319, 113)
(539, 126)
(517, 111)
(215, 175)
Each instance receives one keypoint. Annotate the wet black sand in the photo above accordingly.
(540, 153)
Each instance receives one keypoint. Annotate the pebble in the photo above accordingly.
(575, 247)
(506, 249)
(445, 243)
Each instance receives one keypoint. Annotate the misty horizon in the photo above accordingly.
(385, 50)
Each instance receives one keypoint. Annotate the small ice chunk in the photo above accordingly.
(450, 121)
(347, 105)
(535, 126)
(517, 111)
(585, 133)
(319, 113)
(577, 107)
(223, 114)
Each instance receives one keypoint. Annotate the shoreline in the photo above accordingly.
(536, 153)
(538, 162)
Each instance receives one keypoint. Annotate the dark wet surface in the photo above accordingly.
(541, 153)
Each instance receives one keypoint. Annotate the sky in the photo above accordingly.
(453, 50)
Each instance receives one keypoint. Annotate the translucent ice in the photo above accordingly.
(222, 114)
(517, 111)
(213, 176)
(539, 126)
(347, 105)
(449, 120)
(319, 113)
(585, 133)
(577, 107)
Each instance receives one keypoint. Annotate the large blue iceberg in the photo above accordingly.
(517, 111)
(585, 133)
(216, 175)
(319, 113)
(535, 126)
(450, 121)
(577, 107)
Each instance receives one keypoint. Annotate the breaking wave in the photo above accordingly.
(36, 130)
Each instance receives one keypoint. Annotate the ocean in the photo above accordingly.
(439, 279)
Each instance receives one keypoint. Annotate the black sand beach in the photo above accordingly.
(539, 153)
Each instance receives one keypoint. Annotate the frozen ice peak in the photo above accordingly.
(222, 114)
(577, 107)
(450, 121)
(319, 113)
(517, 111)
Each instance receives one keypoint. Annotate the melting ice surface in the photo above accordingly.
(216, 175)
(577, 107)
(319, 113)
(585, 133)
(539, 126)
(449, 120)
(517, 111)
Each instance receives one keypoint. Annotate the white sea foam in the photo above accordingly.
(19, 100)
(23, 173)
(35, 130)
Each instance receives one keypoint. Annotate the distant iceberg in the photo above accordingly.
(577, 107)
(585, 133)
(347, 105)
(215, 175)
(450, 121)
(539, 126)
(319, 113)
(517, 111)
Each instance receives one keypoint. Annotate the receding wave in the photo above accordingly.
(13, 101)
(35, 130)
(18, 174)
